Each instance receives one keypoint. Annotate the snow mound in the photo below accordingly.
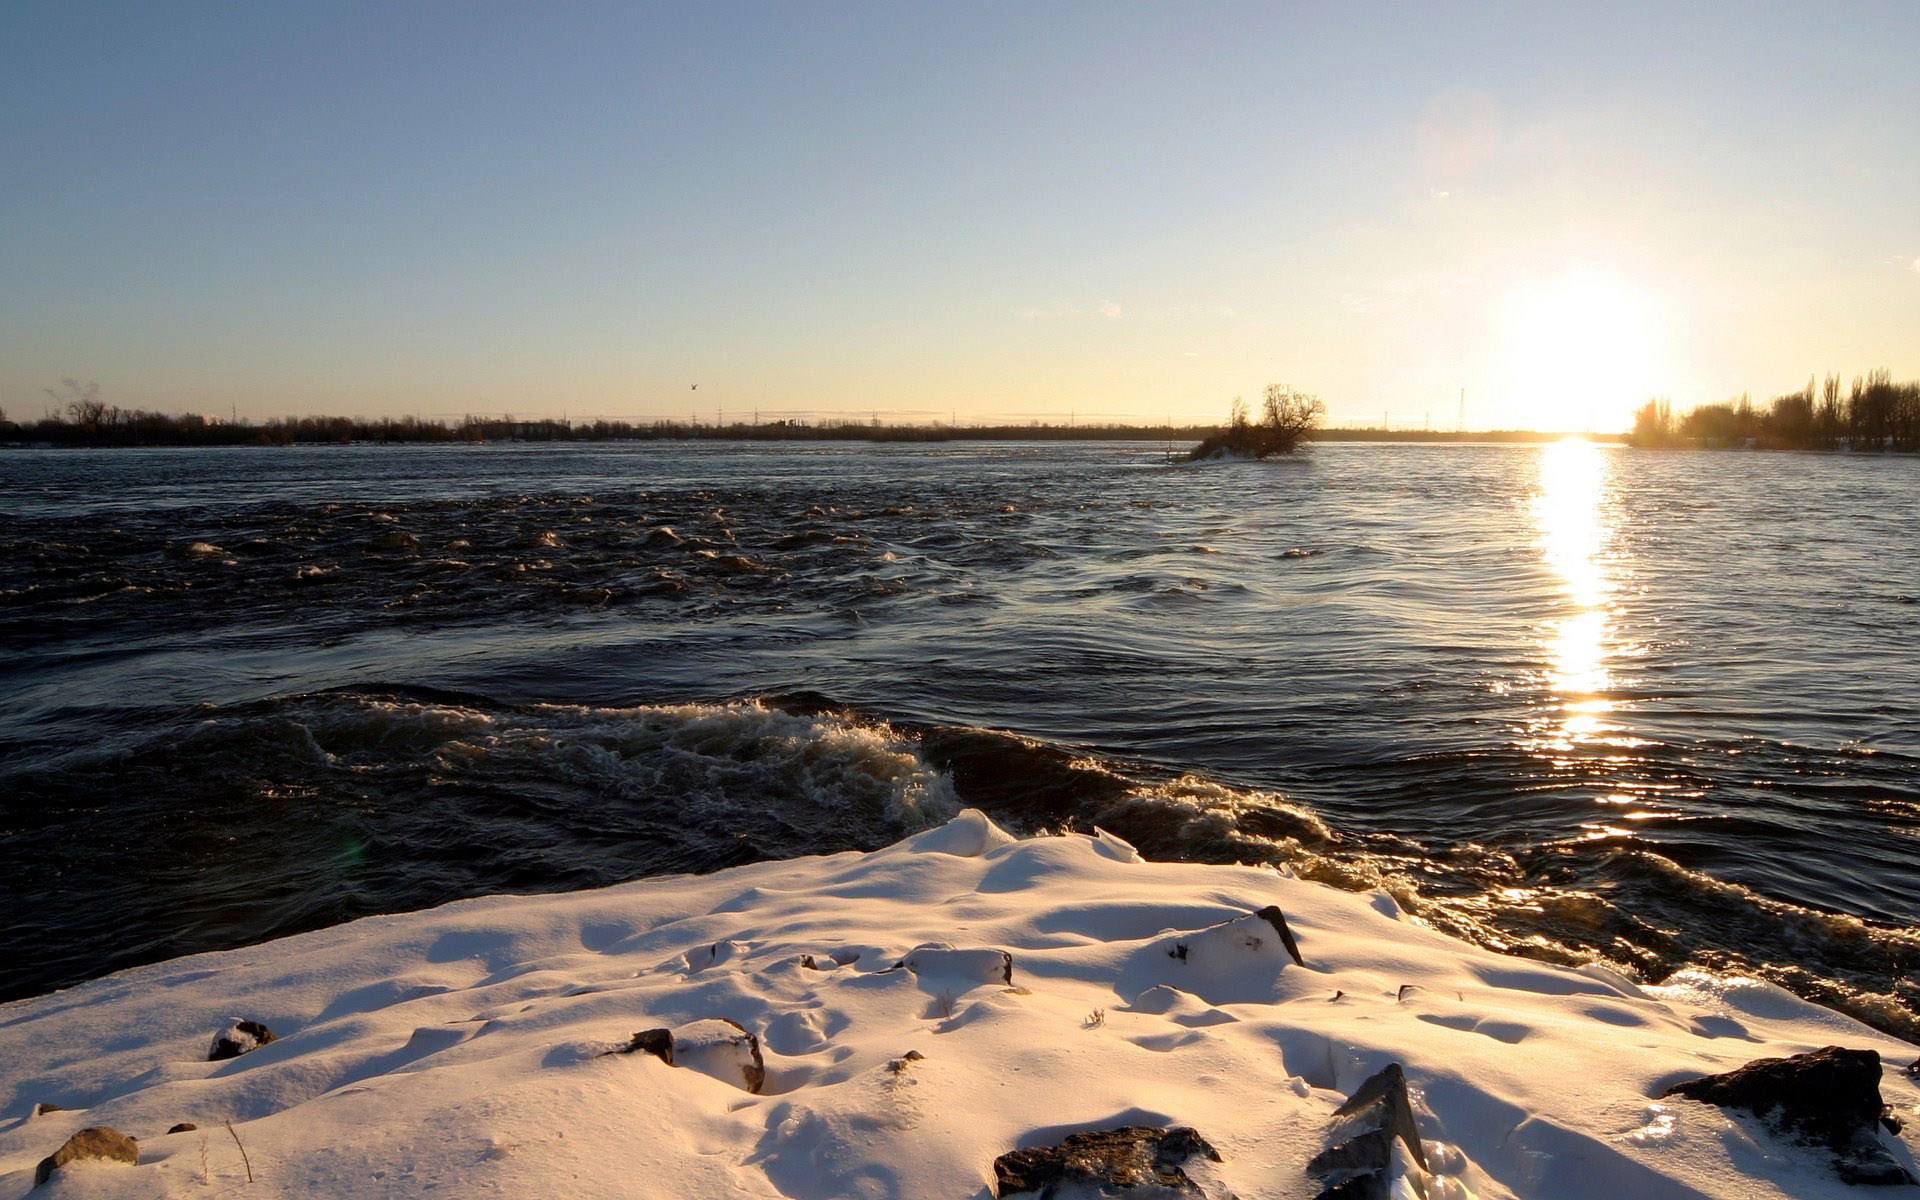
(909, 1016)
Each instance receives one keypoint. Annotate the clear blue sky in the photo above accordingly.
(1115, 210)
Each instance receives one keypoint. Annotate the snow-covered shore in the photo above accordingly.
(464, 1050)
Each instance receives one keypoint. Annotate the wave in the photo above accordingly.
(254, 821)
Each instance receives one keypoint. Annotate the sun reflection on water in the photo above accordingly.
(1570, 511)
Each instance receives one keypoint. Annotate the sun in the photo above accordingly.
(1580, 352)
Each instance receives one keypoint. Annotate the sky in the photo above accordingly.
(978, 212)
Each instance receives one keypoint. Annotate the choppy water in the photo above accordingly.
(1565, 700)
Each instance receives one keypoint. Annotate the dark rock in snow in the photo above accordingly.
(983, 965)
(1248, 933)
(1360, 1165)
(1139, 1157)
(184, 1127)
(1272, 915)
(1829, 1098)
(657, 1042)
(41, 1110)
(238, 1038)
(98, 1141)
(718, 1047)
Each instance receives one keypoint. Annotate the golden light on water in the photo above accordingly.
(1570, 514)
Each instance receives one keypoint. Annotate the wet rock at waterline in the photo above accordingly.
(237, 1039)
(1829, 1098)
(1112, 1162)
(97, 1141)
(717, 1047)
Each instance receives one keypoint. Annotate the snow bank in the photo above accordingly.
(473, 1048)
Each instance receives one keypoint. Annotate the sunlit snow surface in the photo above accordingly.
(461, 1050)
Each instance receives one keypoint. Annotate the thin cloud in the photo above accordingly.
(1111, 311)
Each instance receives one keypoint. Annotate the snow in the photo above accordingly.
(470, 1049)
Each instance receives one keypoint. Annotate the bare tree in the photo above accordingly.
(82, 402)
(1287, 416)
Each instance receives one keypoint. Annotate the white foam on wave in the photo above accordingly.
(727, 755)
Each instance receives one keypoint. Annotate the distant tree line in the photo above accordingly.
(1874, 414)
(79, 417)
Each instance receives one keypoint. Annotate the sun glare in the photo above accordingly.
(1579, 353)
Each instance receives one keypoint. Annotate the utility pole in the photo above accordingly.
(1461, 426)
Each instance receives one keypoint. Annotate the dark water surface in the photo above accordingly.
(1568, 701)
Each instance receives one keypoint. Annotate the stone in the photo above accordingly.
(1272, 915)
(657, 1042)
(981, 965)
(41, 1110)
(238, 1038)
(1139, 1158)
(184, 1127)
(1359, 1166)
(724, 1049)
(1828, 1098)
(98, 1141)
(1239, 936)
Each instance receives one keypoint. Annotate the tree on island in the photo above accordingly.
(1287, 416)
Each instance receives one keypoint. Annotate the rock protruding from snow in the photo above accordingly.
(1109, 1162)
(1829, 1097)
(184, 1127)
(1359, 1163)
(41, 1110)
(97, 1141)
(1262, 934)
(976, 965)
(238, 1038)
(717, 1047)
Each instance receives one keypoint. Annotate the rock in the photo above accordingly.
(1828, 1098)
(1359, 1166)
(982, 965)
(1241, 935)
(717, 1047)
(98, 1141)
(1139, 1158)
(41, 1110)
(657, 1042)
(238, 1038)
(184, 1127)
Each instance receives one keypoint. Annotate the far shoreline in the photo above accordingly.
(532, 433)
